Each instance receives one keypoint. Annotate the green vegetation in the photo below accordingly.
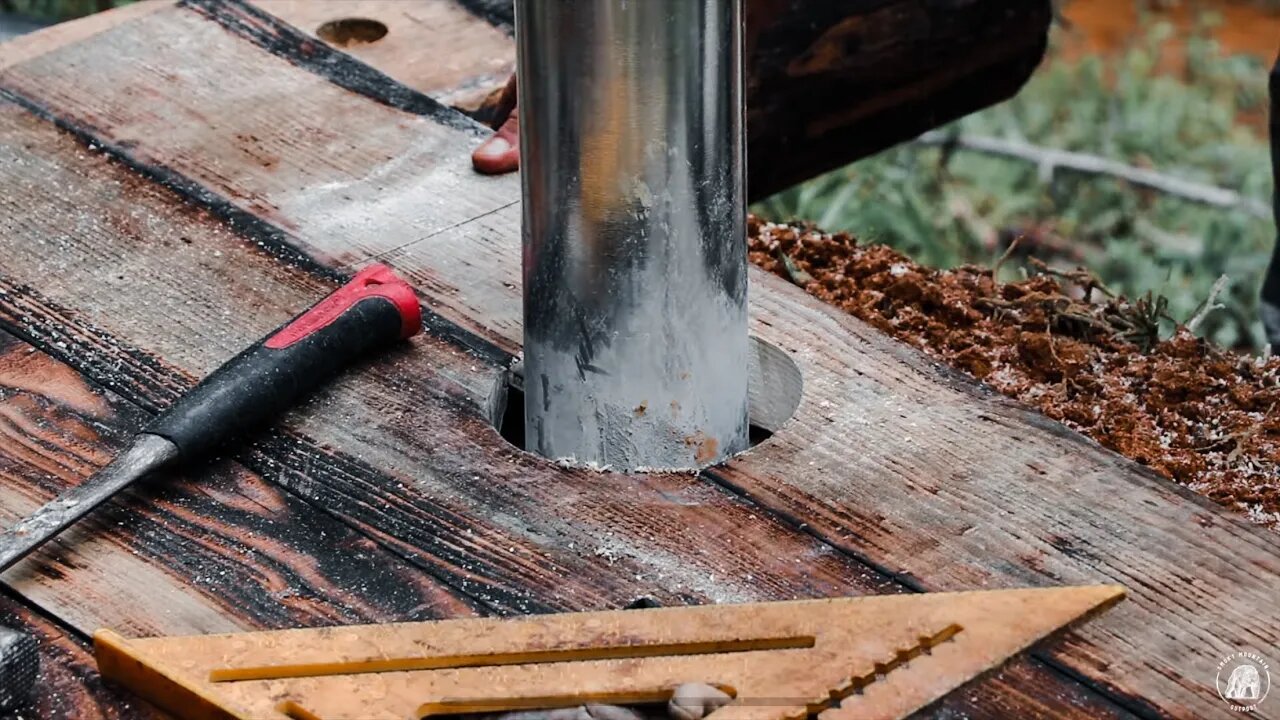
(951, 207)
(58, 10)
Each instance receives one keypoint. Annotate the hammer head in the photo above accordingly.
(19, 664)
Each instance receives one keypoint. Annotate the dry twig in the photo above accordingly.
(1047, 160)
(995, 269)
(1209, 305)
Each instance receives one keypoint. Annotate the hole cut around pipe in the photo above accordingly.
(774, 389)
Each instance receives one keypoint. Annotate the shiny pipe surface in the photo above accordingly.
(635, 277)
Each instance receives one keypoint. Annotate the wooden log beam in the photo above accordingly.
(831, 82)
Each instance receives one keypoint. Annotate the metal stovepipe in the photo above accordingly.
(635, 278)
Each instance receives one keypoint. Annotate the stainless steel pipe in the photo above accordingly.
(635, 278)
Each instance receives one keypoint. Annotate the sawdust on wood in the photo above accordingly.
(1197, 414)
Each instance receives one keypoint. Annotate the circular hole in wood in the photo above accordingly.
(774, 388)
(352, 31)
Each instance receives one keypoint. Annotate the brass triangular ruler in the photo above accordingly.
(866, 657)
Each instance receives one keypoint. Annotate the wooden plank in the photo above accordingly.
(68, 687)
(508, 529)
(976, 491)
(436, 47)
(194, 304)
(315, 153)
(979, 491)
(219, 552)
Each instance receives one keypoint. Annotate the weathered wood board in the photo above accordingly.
(31, 45)
(283, 168)
(437, 47)
(220, 553)
(624, 540)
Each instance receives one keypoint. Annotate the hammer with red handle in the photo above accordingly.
(372, 311)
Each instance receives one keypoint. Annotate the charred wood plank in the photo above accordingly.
(182, 553)
(403, 450)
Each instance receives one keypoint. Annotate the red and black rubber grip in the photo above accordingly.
(375, 309)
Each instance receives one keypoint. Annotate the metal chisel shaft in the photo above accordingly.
(145, 454)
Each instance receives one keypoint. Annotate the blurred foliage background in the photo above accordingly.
(1201, 118)
(57, 10)
(1168, 98)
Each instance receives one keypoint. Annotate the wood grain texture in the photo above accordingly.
(441, 470)
(311, 157)
(945, 487)
(951, 485)
(179, 554)
(68, 687)
(153, 278)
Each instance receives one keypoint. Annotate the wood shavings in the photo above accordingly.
(1195, 413)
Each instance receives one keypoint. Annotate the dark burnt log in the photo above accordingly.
(831, 82)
